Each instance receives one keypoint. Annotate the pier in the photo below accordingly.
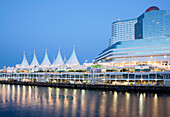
(165, 89)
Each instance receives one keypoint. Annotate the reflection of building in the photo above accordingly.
(154, 48)
(122, 30)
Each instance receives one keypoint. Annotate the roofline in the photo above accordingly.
(124, 20)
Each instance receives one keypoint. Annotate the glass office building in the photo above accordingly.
(153, 23)
(151, 46)
(122, 30)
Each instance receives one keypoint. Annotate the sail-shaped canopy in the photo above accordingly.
(59, 60)
(46, 61)
(24, 61)
(73, 61)
(34, 61)
(53, 61)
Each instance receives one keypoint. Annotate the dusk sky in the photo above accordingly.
(28, 25)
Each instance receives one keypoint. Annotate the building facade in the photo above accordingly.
(122, 30)
(144, 51)
(153, 23)
(151, 46)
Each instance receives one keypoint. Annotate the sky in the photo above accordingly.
(28, 25)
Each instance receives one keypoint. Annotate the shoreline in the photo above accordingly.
(164, 89)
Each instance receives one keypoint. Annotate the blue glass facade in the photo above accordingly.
(143, 47)
(153, 24)
(152, 33)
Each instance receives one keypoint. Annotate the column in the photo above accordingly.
(128, 78)
(148, 78)
(110, 79)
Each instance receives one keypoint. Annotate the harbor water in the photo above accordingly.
(20, 100)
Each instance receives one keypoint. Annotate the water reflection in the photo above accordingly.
(46, 101)
(115, 98)
(127, 103)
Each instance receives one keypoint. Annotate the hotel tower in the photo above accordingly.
(151, 45)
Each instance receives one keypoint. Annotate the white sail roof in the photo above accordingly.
(34, 61)
(59, 60)
(53, 61)
(73, 59)
(46, 61)
(24, 61)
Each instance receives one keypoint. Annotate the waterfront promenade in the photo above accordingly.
(165, 89)
(117, 81)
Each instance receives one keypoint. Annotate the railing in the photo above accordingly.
(109, 75)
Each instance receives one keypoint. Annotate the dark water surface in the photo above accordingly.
(24, 101)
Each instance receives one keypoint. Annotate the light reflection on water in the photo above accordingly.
(18, 100)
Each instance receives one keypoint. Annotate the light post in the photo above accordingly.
(93, 73)
(46, 74)
(141, 72)
(93, 76)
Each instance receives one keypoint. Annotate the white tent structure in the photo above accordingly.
(34, 61)
(73, 61)
(58, 61)
(24, 61)
(53, 61)
(46, 61)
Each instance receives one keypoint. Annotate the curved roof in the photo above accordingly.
(24, 62)
(152, 8)
(46, 61)
(73, 59)
(59, 60)
(34, 60)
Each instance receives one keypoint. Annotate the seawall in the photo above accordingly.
(165, 89)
